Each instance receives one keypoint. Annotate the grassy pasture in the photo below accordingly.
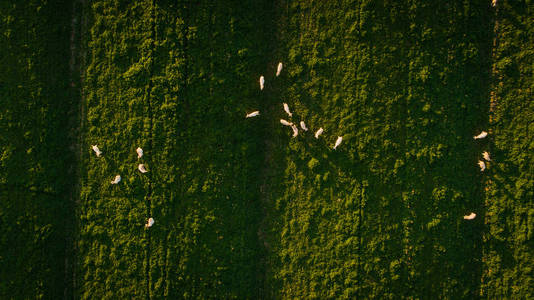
(177, 80)
(242, 209)
(381, 216)
(508, 240)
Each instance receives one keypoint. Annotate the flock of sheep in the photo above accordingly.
(481, 164)
(117, 179)
(286, 109)
(139, 151)
(482, 135)
(142, 169)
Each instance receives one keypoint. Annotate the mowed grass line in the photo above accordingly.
(381, 216)
(35, 208)
(509, 247)
(112, 241)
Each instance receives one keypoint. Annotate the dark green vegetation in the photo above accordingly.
(35, 161)
(509, 239)
(382, 215)
(241, 209)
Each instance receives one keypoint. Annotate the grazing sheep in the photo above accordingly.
(286, 109)
(253, 114)
(470, 217)
(141, 168)
(295, 130)
(482, 166)
(116, 180)
(286, 123)
(482, 135)
(486, 155)
(97, 151)
(319, 132)
(338, 142)
(279, 69)
(149, 223)
(303, 126)
(262, 82)
(139, 152)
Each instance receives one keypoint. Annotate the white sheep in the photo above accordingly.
(97, 151)
(470, 217)
(338, 142)
(319, 132)
(482, 135)
(482, 166)
(253, 114)
(286, 109)
(279, 69)
(286, 123)
(295, 130)
(116, 180)
(149, 223)
(141, 168)
(303, 126)
(262, 82)
(139, 152)
(486, 155)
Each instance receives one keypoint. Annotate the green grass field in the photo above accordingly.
(382, 215)
(242, 209)
(509, 230)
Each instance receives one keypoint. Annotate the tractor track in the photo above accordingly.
(151, 143)
(495, 83)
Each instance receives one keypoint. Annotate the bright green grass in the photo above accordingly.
(176, 80)
(112, 241)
